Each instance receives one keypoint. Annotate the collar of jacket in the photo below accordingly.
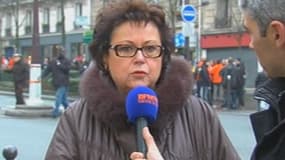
(108, 105)
(273, 93)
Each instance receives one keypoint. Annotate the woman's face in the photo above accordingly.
(129, 72)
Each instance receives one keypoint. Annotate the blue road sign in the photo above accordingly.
(188, 13)
(179, 40)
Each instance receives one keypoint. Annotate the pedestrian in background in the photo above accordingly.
(59, 68)
(217, 80)
(133, 47)
(45, 63)
(241, 80)
(229, 85)
(265, 22)
(20, 71)
(4, 64)
(203, 80)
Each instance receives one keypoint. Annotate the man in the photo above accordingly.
(230, 85)
(59, 68)
(265, 22)
(202, 78)
(20, 73)
(241, 78)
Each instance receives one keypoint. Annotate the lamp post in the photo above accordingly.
(35, 66)
(36, 39)
(63, 36)
(200, 26)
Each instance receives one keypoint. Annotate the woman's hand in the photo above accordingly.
(152, 150)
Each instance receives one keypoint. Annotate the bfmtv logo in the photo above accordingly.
(147, 98)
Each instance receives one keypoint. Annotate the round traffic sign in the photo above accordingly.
(188, 13)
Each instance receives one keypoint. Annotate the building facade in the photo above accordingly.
(16, 27)
(222, 36)
(217, 32)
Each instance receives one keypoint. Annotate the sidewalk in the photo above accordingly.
(40, 109)
(45, 110)
(44, 97)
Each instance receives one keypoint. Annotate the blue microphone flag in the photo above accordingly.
(142, 102)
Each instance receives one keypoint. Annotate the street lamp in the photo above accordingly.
(35, 66)
(200, 25)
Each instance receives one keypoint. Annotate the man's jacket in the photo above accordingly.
(269, 125)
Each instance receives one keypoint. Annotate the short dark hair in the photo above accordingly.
(136, 11)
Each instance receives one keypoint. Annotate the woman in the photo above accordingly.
(132, 47)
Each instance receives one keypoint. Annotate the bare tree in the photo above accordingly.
(12, 7)
(171, 9)
(172, 13)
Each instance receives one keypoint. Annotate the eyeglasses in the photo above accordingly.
(149, 51)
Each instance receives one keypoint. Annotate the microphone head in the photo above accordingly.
(142, 102)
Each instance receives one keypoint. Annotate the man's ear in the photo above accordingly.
(278, 29)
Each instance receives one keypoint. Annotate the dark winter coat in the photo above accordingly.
(260, 79)
(203, 75)
(20, 73)
(236, 77)
(96, 128)
(269, 125)
(59, 68)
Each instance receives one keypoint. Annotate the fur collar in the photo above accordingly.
(108, 105)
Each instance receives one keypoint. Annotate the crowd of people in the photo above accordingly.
(221, 82)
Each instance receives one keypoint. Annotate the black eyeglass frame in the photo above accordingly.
(115, 48)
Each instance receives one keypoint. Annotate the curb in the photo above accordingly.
(43, 96)
(29, 111)
(238, 113)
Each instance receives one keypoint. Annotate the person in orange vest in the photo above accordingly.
(203, 80)
(10, 64)
(217, 80)
(4, 62)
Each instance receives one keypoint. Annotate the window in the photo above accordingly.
(78, 9)
(45, 25)
(28, 22)
(28, 18)
(58, 14)
(46, 16)
(8, 31)
(78, 15)
(223, 18)
(58, 19)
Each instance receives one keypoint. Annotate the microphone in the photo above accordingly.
(141, 108)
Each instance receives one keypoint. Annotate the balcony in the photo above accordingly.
(58, 27)
(45, 28)
(8, 32)
(28, 29)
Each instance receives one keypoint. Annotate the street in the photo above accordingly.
(32, 135)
